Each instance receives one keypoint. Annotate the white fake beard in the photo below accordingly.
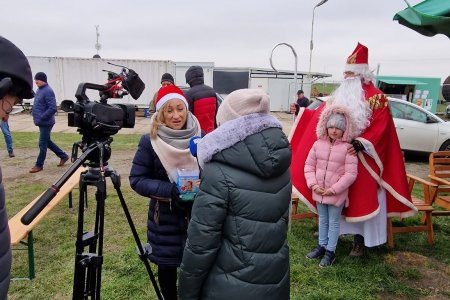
(350, 94)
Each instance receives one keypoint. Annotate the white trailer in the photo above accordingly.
(65, 73)
(182, 67)
(280, 86)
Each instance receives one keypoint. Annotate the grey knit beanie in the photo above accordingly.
(336, 120)
(242, 102)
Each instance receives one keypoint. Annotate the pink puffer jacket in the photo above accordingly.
(328, 164)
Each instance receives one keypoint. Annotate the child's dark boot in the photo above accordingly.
(318, 252)
(328, 259)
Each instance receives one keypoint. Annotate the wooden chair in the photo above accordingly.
(295, 215)
(423, 205)
(439, 164)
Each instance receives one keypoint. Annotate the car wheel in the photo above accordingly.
(445, 146)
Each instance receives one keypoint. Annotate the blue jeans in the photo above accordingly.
(44, 143)
(7, 135)
(329, 216)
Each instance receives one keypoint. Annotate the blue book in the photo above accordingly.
(188, 184)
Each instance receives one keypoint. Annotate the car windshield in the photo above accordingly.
(315, 104)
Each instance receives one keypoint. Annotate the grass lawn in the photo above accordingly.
(373, 276)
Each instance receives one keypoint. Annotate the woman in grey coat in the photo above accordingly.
(237, 244)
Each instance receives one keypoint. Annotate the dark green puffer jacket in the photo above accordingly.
(237, 244)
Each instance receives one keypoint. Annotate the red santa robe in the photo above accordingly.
(380, 165)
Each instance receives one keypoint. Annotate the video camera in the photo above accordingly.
(99, 120)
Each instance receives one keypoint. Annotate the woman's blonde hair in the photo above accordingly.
(157, 121)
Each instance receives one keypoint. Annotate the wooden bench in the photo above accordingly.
(23, 234)
(439, 165)
(423, 205)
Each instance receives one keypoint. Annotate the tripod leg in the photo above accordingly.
(115, 178)
(79, 273)
(88, 266)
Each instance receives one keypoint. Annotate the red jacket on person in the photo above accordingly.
(201, 98)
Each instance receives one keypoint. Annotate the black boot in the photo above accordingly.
(318, 252)
(358, 246)
(328, 259)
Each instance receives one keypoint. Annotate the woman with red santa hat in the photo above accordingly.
(159, 156)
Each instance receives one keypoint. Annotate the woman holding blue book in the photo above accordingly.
(154, 174)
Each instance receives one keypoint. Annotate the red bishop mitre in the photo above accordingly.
(357, 62)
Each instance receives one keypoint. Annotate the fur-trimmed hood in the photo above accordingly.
(237, 143)
(350, 131)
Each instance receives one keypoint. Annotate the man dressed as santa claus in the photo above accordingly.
(380, 189)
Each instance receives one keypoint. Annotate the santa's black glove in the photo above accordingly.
(357, 145)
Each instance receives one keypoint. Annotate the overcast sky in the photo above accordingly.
(229, 33)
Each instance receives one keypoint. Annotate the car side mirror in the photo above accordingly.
(430, 120)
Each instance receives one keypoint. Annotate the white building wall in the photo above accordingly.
(65, 73)
(282, 93)
(182, 67)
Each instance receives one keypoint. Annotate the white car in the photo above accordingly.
(418, 129)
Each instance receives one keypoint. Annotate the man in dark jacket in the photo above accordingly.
(237, 237)
(44, 110)
(302, 101)
(15, 84)
(201, 98)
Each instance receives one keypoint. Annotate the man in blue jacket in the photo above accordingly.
(44, 110)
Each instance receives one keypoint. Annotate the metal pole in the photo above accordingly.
(295, 63)
(311, 44)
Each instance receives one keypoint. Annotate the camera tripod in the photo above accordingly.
(88, 265)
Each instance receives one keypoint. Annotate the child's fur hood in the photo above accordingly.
(350, 131)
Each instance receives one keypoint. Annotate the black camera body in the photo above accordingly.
(98, 120)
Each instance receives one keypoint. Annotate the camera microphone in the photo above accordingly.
(193, 145)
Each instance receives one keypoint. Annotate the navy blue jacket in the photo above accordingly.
(148, 178)
(44, 107)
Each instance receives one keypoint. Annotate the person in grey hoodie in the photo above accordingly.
(15, 84)
(237, 237)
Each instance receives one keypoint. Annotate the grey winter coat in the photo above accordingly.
(237, 244)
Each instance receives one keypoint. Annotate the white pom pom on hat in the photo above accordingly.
(242, 102)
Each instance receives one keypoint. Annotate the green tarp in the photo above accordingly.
(402, 81)
(429, 17)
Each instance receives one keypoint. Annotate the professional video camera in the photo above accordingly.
(96, 122)
(99, 120)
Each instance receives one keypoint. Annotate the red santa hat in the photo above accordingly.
(357, 62)
(168, 93)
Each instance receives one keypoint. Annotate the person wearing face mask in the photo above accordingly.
(159, 156)
(16, 84)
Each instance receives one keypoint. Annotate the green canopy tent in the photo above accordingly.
(429, 17)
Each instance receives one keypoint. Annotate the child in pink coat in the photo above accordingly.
(329, 172)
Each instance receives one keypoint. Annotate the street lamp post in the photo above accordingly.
(311, 46)
(295, 66)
